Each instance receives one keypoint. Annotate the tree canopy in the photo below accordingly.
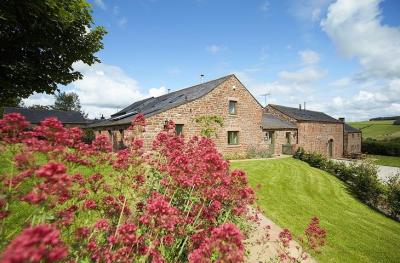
(39, 42)
(67, 102)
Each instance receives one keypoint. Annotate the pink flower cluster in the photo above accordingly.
(316, 236)
(165, 206)
(41, 243)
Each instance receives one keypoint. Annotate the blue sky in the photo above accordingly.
(341, 57)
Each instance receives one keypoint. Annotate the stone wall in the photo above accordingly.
(352, 143)
(280, 139)
(247, 121)
(314, 137)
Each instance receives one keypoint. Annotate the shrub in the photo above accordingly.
(258, 152)
(393, 195)
(299, 153)
(366, 184)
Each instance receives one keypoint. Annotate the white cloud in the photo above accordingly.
(309, 56)
(214, 49)
(311, 10)
(103, 90)
(340, 83)
(39, 99)
(356, 29)
(302, 76)
(101, 4)
(156, 92)
(265, 6)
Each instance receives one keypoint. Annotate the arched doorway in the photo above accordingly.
(330, 148)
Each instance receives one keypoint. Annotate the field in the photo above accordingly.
(377, 129)
(291, 192)
(385, 160)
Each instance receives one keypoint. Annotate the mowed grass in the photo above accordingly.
(385, 160)
(377, 129)
(291, 192)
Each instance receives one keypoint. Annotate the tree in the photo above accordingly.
(39, 42)
(67, 102)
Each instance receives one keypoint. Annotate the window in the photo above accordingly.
(233, 137)
(269, 136)
(288, 137)
(232, 107)
(179, 129)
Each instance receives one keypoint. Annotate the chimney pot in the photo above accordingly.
(300, 106)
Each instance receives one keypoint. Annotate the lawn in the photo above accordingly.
(291, 192)
(385, 160)
(377, 129)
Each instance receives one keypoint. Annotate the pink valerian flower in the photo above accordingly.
(52, 130)
(90, 204)
(159, 213)
(66, 216)
(56, 183)
(102, 224)
(102, 144)
(40, 243)
(24, 160)
(82, 233)
(95, 182)
(285, 237)
(139, 120)
(113, 206)
(12, 126)
(224, 245)
(316, 236)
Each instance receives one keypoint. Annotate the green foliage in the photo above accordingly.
(389, 147)
(365, 183)
(40, 41)
(88, 135)
(209, 124)
(393, 195)
(255, 151)
(68, 102)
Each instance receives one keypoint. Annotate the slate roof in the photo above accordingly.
(304, 115)
(270, 122)
(36, 116)
(155, 105)
(350, 129)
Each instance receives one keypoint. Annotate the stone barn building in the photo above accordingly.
(315, 131)
(247, 125)
(226, 97)
(351, 141)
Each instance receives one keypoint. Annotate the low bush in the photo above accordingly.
(393, 195)
(258, 152)
(389, 147)
(365, 183)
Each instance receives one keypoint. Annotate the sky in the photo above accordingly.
(341, 57)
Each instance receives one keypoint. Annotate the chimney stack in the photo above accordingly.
(341, 119)
(299, 106)
(169, 90)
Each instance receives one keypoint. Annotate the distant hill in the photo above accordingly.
(378, 129)
(385, 118)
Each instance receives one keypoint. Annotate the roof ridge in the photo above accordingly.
(24, 108)
(297, 108)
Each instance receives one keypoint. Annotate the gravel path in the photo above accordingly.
(261, 251)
